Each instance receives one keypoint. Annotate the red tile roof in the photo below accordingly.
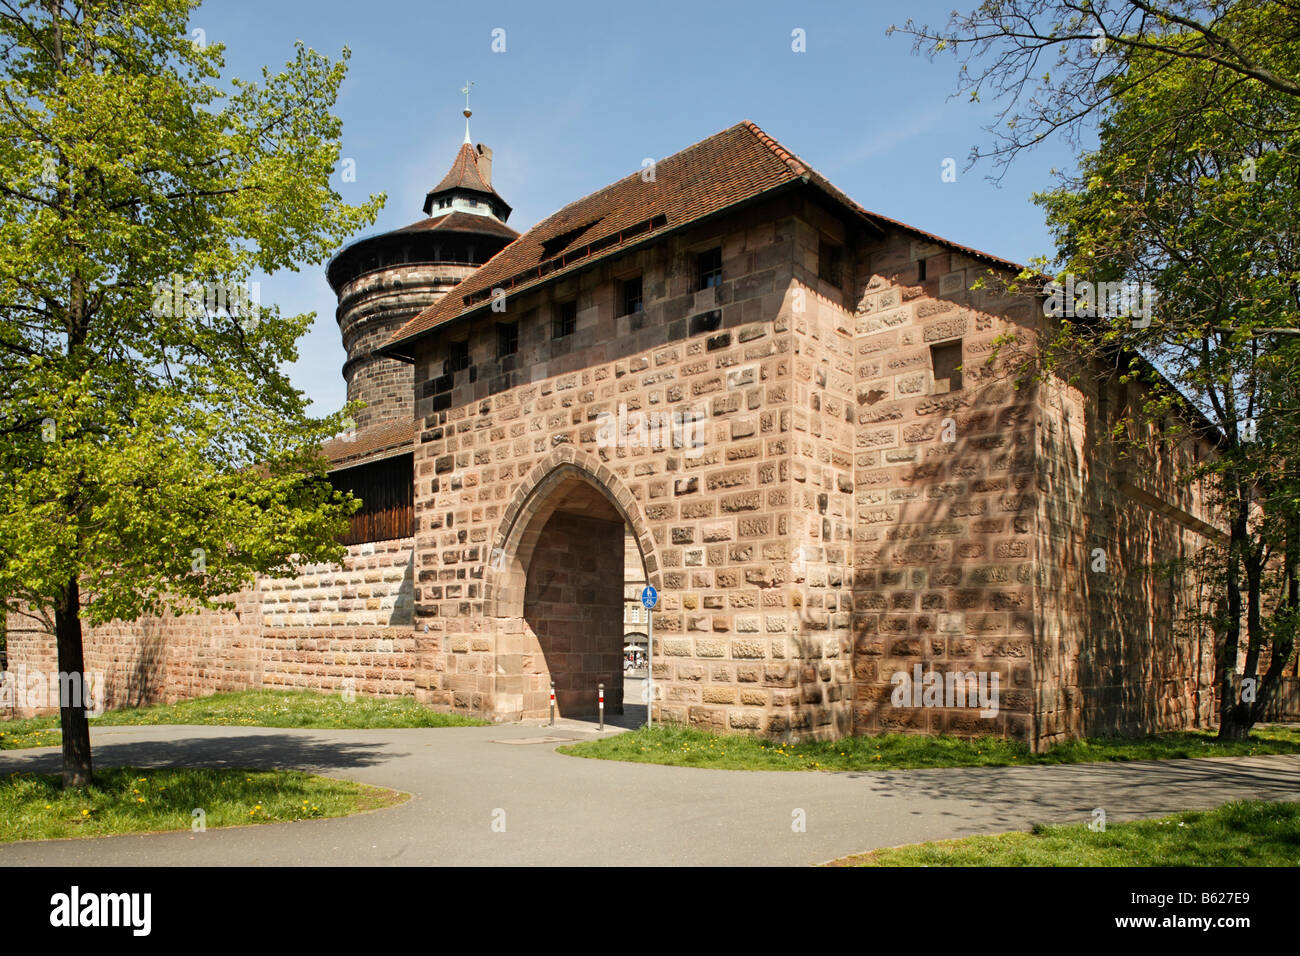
(464, 174)
(342, 268)
(459, 222)
(382, 440)
(730, 167)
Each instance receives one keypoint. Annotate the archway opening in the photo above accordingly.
(575, 611)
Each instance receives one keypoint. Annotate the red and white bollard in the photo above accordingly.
(552, 703)
(602, 706)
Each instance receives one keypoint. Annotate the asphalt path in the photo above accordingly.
(501, 795)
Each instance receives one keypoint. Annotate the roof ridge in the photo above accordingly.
(797, 166)
(637, 173)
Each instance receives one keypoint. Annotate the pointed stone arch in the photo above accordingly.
(539, 631)
(533, 502)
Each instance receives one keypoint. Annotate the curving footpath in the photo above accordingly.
(561, 810)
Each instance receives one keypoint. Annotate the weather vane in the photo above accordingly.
(465, 89)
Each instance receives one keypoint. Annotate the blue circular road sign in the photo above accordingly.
(649, 597)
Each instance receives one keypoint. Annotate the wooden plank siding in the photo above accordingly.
(385, 489)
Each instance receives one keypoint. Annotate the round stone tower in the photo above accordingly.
(382, 281)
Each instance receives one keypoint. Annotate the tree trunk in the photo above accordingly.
(72, 711)
(1230, 715)
(1236, 723)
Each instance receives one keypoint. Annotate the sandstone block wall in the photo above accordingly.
(331, 624)
(825, 536)
(944, 493)
(712, 522)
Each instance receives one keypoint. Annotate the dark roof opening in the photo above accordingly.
(556, 244)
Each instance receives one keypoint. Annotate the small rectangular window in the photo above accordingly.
(830, 263)
(507, 338)
(708, 269)
(565, 319)
(457, 358)
(920, 270)
(631, 297)
(945, 360)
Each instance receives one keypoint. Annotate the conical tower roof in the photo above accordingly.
(467, 176)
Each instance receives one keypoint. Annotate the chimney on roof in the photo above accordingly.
(485, 162)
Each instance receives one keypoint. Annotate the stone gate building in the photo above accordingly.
(800, 410)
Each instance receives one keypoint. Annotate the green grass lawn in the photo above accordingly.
(683, 747)
(254, 708)
(1249, 833)
(134, 800)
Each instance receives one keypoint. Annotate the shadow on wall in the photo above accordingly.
(1140, 659)
(948, 587)
(404, 602)
(573, 605)
(145, 677)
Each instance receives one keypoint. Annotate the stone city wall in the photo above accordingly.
(331, 623)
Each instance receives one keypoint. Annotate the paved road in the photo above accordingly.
(565, 810)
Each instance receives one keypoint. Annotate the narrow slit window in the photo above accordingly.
(830, 263)
(631, 297)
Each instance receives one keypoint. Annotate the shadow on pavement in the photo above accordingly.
(263, 751)
(1071, 791)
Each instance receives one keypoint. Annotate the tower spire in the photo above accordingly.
(465, 89)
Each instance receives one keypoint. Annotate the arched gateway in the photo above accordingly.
(554, 588)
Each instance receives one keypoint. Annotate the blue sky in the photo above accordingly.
(585, 91)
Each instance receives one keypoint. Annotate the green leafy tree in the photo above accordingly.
(155, 456)
(1194, 189)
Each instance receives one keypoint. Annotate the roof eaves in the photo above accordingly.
(342, 464)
